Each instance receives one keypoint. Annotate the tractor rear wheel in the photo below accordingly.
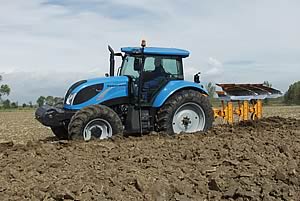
(60, 132)
(94, 122)
(186, 111)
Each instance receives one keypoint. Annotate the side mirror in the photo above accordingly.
(197, 77)
(137, 66)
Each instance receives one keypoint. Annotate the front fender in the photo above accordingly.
(174, 86)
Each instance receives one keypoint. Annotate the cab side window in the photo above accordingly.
(149, 64)
(173, 66)
(170, 66)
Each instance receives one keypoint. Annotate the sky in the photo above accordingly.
(46, 45)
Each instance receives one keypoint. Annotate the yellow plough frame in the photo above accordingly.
(243, 100)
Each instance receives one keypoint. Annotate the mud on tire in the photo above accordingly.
(84, 116)
(167, 111)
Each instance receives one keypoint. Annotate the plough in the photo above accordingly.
(243, 101)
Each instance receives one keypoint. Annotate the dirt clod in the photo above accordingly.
(250, 161)
(213, 185)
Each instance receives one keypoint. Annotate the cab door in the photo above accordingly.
(158, 71)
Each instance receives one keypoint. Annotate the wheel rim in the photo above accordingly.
(188, 118)
(98, 129)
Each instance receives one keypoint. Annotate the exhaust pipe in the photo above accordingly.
(111, 61)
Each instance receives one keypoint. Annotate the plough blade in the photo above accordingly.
(248, 92)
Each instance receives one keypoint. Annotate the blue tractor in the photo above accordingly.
(148, 93)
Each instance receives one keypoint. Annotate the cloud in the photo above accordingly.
(240, 63)
(71, 36)
(215, 67)
(121, 10)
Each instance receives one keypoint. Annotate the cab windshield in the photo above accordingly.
(127, 67)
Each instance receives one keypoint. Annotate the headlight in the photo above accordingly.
(72, 88)
(70, 99)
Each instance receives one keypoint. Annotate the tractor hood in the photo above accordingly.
(95, 91)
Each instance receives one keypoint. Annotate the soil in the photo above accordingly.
(257, 160)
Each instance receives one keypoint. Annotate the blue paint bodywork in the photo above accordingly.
(113, 87)
(174, 86)
(117, 87)
(157, 51)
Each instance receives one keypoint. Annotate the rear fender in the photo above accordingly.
(174, 86)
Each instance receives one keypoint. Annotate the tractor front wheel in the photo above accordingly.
(186, 111)
(94, 122)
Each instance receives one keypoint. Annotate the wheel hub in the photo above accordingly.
(98, 129)
(186, 121)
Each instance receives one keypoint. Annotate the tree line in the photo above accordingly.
(49, 100)
(292, 96)
(5, 91)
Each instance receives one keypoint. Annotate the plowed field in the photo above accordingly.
(248, 161)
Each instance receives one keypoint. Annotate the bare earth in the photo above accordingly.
(248, 161)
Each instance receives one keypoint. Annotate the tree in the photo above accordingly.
(24, 105)
(4, 90)
(267, 84)
(6, 104)
(41, 101)
(14, 105)
(58, 100)
(292, 96)
(50, 100)
(211, 88)
(30, 104)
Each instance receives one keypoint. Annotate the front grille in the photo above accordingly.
(87, 93)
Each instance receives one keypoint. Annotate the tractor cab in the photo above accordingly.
(150, 69)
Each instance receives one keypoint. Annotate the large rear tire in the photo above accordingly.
(94, 122)
(186, 111)
(60, 132)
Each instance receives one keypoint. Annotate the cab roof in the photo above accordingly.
(157, 51)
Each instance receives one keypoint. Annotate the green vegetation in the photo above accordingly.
(292, 96)
(267, 84)
(6, 104)
(41, 101)
(49, 100)
(4, 89)
(211, 88)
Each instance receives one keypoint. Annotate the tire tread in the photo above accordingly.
(166, 112)
(83, 116)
